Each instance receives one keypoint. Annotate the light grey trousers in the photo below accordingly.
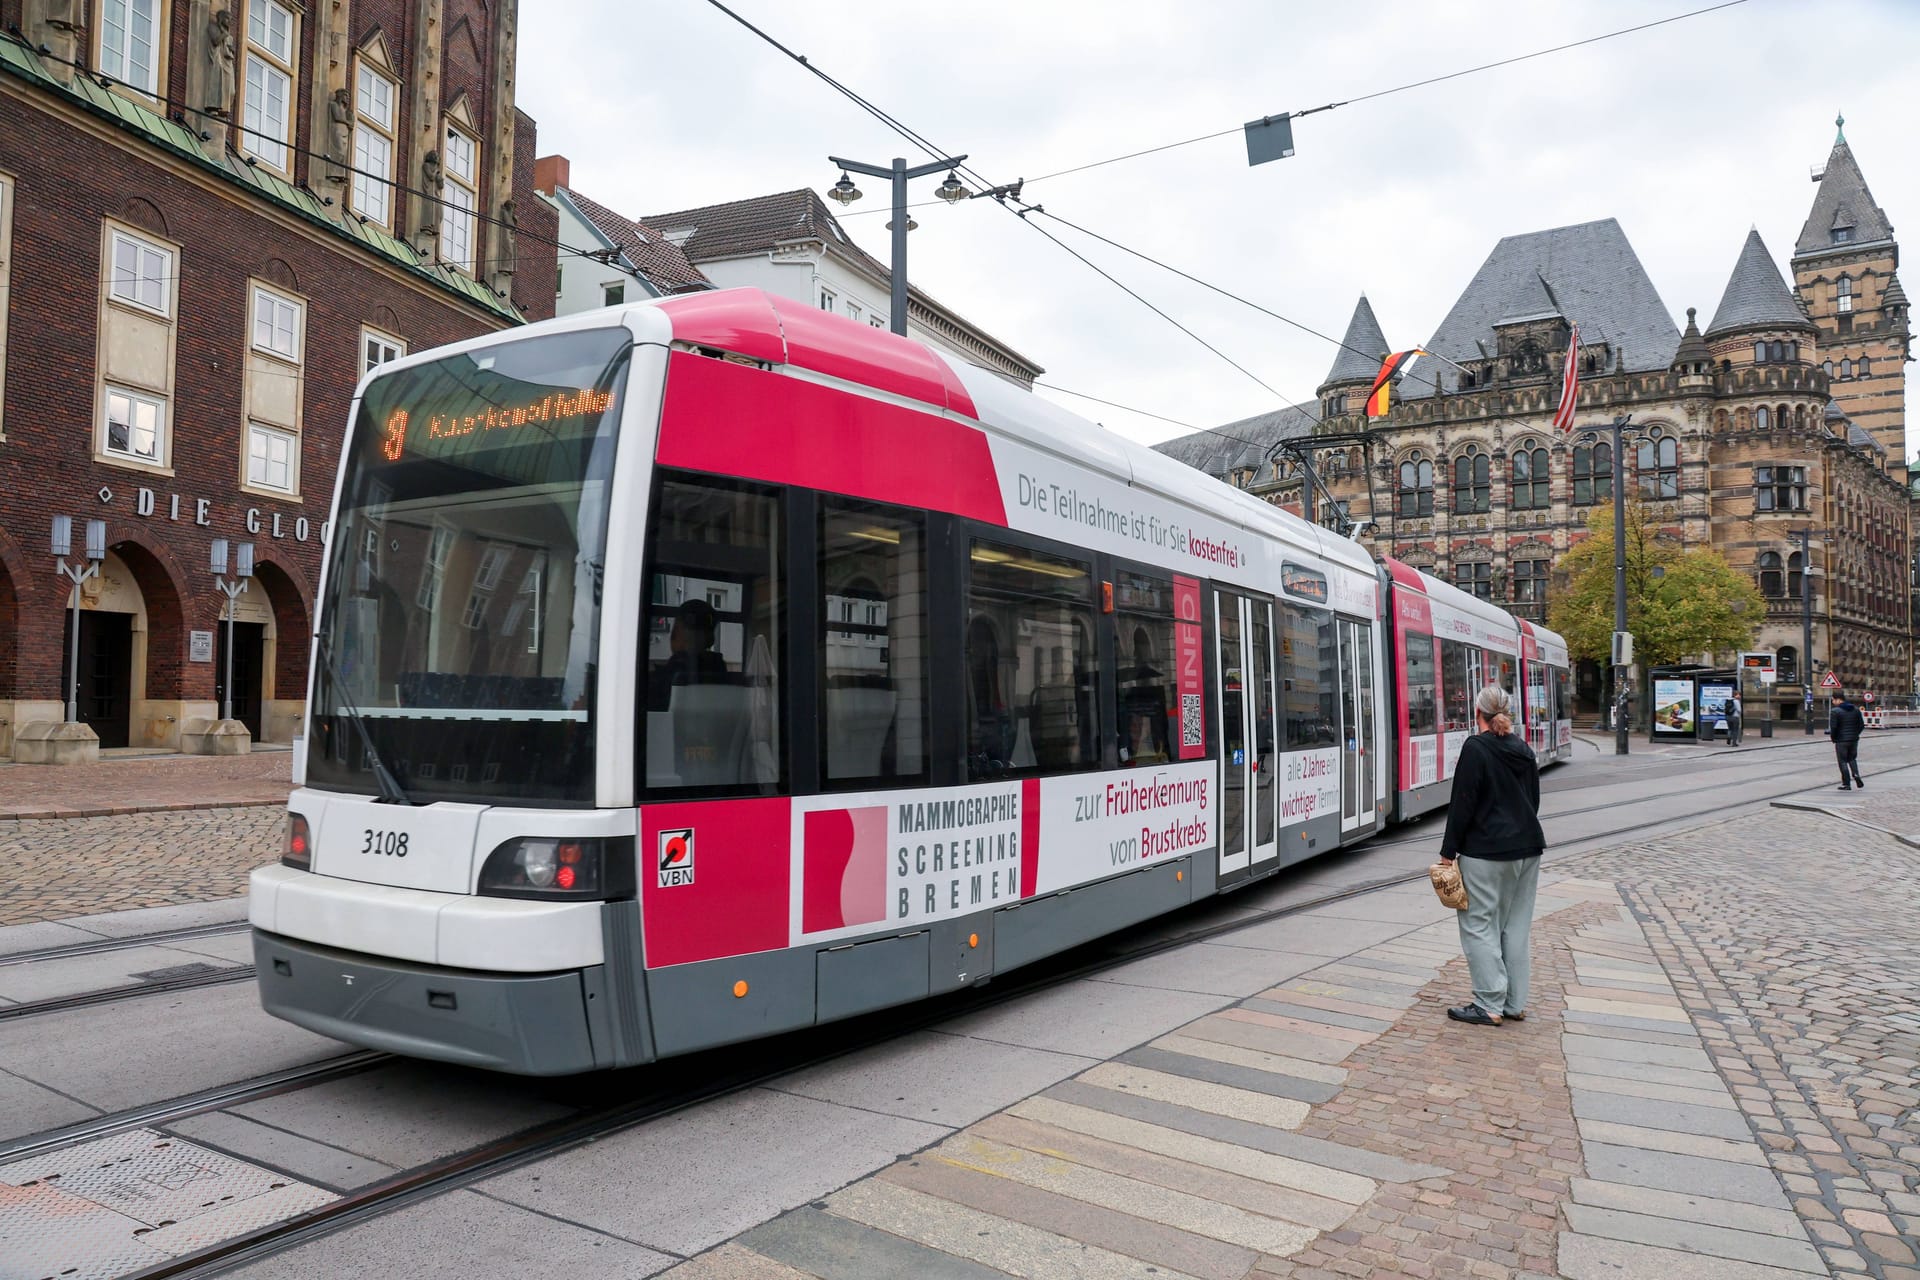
(1494, 929)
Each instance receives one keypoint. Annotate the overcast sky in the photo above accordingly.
(1688, 133)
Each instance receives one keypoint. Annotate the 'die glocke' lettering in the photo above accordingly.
(991, 855)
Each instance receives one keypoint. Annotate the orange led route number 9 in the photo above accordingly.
(396, 435)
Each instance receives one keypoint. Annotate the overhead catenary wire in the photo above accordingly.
(988, 186)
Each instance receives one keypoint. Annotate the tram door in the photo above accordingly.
(1243, 632)
(1357, 724)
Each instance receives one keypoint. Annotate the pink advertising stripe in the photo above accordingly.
(1029, 837)
(738, 421)
(737, 901)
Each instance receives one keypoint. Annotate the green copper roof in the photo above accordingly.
(19, 60)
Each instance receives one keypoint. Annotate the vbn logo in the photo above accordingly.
(676, 857)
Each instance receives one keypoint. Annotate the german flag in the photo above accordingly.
(1380, 399)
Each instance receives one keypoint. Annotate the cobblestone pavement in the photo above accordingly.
(144, 783)
(1794, 943)
(56, 867)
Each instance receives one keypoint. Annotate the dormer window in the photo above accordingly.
(1841, 235)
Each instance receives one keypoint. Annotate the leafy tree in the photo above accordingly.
(1696, 603)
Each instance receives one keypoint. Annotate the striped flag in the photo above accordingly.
(1380, 398)
(1569, 384)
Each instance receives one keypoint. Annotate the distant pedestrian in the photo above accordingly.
(1845, 724)
(1733, 721)
(1493, 827)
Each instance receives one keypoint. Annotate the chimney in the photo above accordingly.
(551, 171)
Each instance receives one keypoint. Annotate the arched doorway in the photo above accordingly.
(286, 631)
(111, 656)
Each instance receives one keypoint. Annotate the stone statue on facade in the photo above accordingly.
(433, 184)
(220, 64)
(339, 135)
(507, 259)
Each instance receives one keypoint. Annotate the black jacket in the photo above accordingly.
(1495, 810)
(1846, 724)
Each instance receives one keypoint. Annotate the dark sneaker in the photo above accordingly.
(1845, 786)
(1860, 783)
(1474, 1014)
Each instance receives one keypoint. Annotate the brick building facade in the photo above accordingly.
(214, 217)
(1786, 413)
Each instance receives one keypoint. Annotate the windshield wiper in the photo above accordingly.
(390, 789)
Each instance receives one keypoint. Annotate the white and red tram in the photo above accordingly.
(709, 668)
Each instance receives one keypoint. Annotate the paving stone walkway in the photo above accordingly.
(53, 868)
(140, 784)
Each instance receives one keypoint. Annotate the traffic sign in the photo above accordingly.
(1769, 677)
(1831, 680)
(1869, 699)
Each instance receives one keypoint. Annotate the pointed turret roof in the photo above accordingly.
(1843, 201)
(1693, 347)
(1895, 295)
(1361, 350)
(1757, 295)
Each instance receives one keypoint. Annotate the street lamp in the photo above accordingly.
(845, 193)
(1622, 642)
(1805, 537)
(242, 570)
(96, 550)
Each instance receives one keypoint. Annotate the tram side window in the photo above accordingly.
(716, 613)
(873, 651)
(1309, 666)
(1030, 679)
(1562, 694)
(1147, 688)
(1422, 714)
(1456, 686)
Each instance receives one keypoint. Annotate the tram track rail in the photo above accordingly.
(694, 1081)
(102, 946)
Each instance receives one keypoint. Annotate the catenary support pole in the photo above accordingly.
(1619, 580)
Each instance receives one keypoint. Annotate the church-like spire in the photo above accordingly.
(1844, 213)
(1756, 297)
(1361, 350)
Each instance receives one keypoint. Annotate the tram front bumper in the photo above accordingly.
(526, 1024)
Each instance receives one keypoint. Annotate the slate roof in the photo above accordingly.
(663, 263)
(1361, 350)
(1245, 443)
(1587, 272)
(1843, 200)
(1757, 296)
(1896, 294)
(18, 60)
(755, 225)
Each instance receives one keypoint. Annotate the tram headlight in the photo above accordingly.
(299, 850)
(546, 867)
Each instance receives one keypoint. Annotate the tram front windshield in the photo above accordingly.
(461, 620)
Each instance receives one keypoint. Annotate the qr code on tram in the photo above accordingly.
(1193, 732)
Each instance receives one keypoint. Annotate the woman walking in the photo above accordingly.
(1493, 827)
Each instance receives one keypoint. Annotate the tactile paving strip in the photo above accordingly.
(101, 1209)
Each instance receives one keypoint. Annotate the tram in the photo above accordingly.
(707, 668)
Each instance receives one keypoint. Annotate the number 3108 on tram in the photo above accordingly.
(698, 670)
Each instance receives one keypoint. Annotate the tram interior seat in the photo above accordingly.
(857, 720)
(701, 739)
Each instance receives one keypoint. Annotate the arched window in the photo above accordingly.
(1787, 660)
(1846, 369)
(1759, 353)
(1777, 350)
(1416, 487)
(1865, 368)
(1843, 294)
(1762, 419)
(1793, 351)
(1532, 487)
(1773, 583)
(1796, 572)
(1592, 474)
(1472, 482)
(1826, 367)
(1659, 465)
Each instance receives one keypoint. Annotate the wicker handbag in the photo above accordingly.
(1447, 884)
